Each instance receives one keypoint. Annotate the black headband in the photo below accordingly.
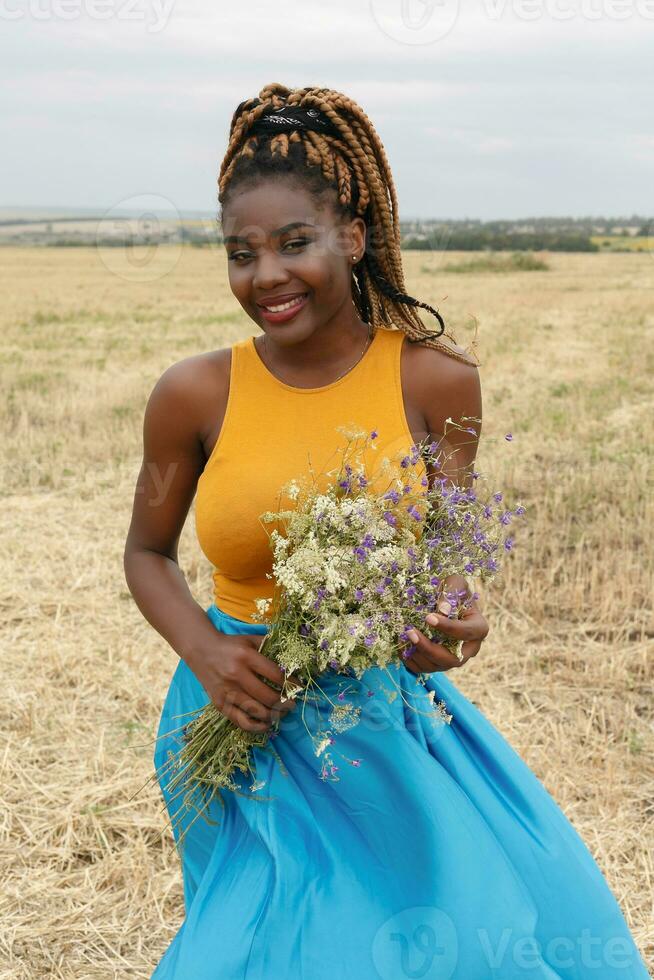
(291, 117)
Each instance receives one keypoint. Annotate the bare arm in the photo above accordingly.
(452, 404)
(450, 390)
(230, 668)
(172, 463)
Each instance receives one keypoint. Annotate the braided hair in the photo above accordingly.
(345, 160)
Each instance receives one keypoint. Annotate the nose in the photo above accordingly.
(269, 271)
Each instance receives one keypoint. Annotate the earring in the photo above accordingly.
(354, 258)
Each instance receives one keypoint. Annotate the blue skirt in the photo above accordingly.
(408, 847)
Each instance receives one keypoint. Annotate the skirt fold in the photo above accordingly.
(408, 847)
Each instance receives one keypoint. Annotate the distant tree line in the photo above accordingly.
(473, 241)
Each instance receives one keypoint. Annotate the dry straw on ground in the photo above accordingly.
(89, 891)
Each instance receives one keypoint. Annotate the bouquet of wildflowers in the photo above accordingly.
(353, 564)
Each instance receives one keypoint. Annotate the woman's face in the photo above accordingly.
(279, 244)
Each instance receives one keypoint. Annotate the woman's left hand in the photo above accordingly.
(471, 628)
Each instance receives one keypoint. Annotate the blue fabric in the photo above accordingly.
(440, 855)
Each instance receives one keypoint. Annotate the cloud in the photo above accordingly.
(552, 108)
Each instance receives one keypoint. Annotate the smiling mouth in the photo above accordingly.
(285, 306)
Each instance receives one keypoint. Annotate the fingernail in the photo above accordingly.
(445, 608)
(432, 619)
(413, 636)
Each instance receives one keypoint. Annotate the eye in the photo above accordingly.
(298, 241)
(295, 243)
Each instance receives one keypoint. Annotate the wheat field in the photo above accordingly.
(91, 889)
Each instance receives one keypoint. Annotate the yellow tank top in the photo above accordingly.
(273, 432)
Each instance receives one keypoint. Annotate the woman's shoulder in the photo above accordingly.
(195, 375)
(444, 380)
(446, 347)
(193, 389)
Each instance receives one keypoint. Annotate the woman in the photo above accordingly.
(422, 852)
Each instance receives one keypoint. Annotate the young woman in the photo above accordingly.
(430, 851)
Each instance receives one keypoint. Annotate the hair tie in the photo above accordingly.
(291, 117)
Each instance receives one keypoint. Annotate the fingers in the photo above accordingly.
(470, 627)
(261, 663)
(246, 698)
(242, 719)
(261, 692)
(427, 656)
(249, 713)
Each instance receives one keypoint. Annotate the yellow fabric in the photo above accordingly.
(273, 432)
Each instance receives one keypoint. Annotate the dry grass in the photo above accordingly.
(89, 891)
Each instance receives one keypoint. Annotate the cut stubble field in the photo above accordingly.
(91, 889)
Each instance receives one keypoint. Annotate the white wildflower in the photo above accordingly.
(322, 746)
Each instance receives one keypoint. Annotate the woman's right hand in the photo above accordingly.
(228, 667)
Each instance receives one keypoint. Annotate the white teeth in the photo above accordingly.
(285, 306)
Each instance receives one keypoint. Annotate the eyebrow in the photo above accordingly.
(234, 239)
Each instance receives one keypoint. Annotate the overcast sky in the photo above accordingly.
(509, 108)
